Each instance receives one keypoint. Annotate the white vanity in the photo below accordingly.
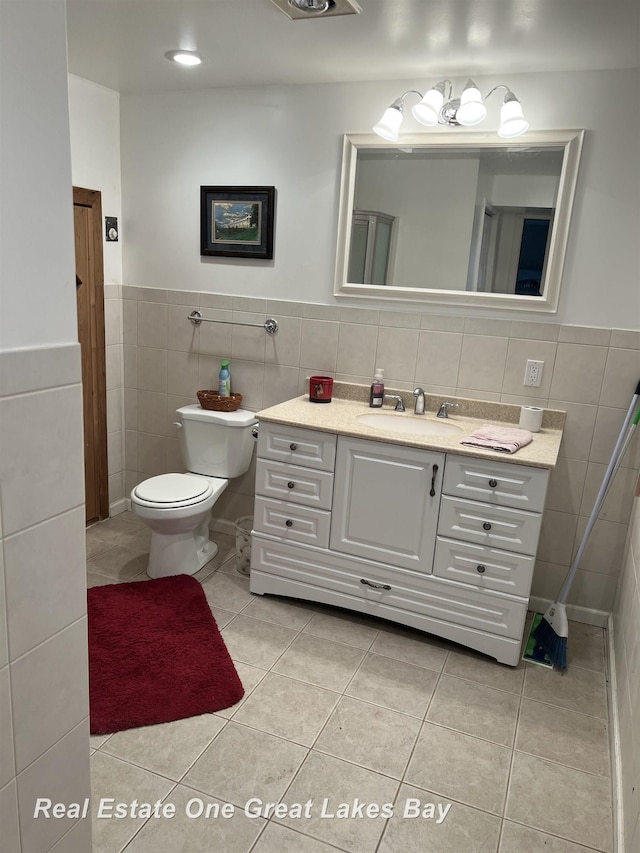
(421, 531)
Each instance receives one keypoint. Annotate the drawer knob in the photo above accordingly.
(289, 523)
(480, 569)
(375, 585)
(493, 483)
(486, 525)
(290, 485)
(293, 446)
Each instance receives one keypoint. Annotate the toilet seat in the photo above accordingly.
(175, 490)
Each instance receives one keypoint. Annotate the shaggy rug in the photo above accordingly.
(155, 655)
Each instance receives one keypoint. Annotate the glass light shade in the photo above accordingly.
(389, 125)
(512, 121)
(427, 111)
(471, 110)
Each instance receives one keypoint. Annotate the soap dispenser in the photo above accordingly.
(376, 395)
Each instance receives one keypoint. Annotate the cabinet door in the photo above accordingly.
(385, 502)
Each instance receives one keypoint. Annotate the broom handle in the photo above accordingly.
(608, 477)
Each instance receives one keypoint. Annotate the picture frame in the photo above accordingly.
(237, 222)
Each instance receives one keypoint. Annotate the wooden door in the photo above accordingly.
(87, 218)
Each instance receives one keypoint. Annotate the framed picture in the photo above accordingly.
(237, 222)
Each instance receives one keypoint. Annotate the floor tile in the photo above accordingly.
(567, 737)
(393, 684)
(352, 629)
(94, 579)
(522, 839)
(321, 662)
(370, 736)
(116, 779)
(227, 591)
(168, 749)
(196, 834)
(568, 802)
(242, 763)
(476, 667)
(280, 839)
(585, 646)
(119, 563)
(282, 611)
(256, 642)
(460, 767)
(287, 708)
(250, 676)
(222, 617)
(411, 647)
(576, 689)
(475, 709)
(322, 776)
(463, 830)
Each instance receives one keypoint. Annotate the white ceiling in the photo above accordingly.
(121, 43)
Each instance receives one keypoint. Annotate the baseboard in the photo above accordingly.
(588, 616)
(118, 506)
(614, 742)
(223, 525)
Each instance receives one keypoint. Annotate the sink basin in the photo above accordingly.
(407, 424)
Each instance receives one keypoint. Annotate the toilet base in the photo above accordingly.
(180, 553)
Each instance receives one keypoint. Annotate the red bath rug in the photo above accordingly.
(155, 655)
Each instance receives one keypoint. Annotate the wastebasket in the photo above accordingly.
(243, 544)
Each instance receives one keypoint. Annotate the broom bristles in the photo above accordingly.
(554, 645)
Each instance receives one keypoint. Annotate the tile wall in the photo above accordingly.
(626, 621)
(590, 373)
(44, 704)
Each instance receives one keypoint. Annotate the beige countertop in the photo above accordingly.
(349, 401)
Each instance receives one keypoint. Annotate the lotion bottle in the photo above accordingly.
(224, 379)
(376, 395)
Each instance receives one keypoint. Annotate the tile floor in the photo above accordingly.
(347, 709)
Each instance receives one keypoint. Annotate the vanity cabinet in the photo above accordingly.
(440, 542)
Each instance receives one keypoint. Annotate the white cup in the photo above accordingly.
(531, 418)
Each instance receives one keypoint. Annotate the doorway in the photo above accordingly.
(87, 224)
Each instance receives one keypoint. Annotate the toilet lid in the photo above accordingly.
(173, 488)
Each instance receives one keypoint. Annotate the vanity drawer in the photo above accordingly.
(295, 446)
(483, 567)
(381, 590)
(496, 482)
(495, 526)
(293, 484)
(292, 522)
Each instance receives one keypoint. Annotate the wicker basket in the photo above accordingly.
(214, 402)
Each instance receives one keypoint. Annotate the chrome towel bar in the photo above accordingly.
(270, 325)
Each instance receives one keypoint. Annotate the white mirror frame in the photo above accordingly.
(572, 140)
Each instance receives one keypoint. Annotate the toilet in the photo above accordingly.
(215, 447)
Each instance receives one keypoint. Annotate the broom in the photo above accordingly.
(553, 629)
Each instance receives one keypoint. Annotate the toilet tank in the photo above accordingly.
(218, 444)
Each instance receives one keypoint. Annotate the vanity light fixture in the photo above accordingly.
(183, 57)
(437, 106)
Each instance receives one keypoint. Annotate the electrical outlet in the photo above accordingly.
(533, 373)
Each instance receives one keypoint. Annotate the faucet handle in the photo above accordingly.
(443, 411)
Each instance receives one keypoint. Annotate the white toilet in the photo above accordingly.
(215, 447)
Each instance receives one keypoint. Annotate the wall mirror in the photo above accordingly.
(461, 219)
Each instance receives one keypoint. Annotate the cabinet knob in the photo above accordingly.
(486, 525)
(289, 523)
(480, 569)
(493, 483)
(290, 485)
(293, 446)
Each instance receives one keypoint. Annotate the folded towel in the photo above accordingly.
(500, 438)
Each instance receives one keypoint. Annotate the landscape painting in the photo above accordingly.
(237, 221)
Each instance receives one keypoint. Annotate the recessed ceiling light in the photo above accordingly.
(183, 57)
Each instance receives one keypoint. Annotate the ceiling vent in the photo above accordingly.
(297, 10)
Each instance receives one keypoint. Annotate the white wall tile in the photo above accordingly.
(7, 761)
(556, 537)
(182, 374)
(438, 358)
(566, 485)
(284, 347)
(619, 500)
(130, 367)
(482, 362)
(247, 342)
(152, 369)
(247, 378)
(115, 419)
(396, 352)
(280, 384)
(45, 569)
(152, 325)
(113, 366)
(112, 321)
(604, 550)
(585, 335)
(182, 335)
(4, 645)
(621, 377)
(50, 692)
(115, 452)
(152, 454)
(152, 409)
(518, 352)
(357, 349)
(62, 774)
(578, 429)
(319, 345)
(578, 373)
(9, 818)
(130, 322)
(52, 458)
(534, 331)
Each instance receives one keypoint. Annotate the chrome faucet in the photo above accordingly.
(419, 407)
(443, 411)
(399, 407)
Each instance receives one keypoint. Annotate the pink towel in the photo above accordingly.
(500, 438)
